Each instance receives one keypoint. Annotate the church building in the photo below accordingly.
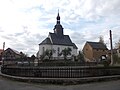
(57, 42)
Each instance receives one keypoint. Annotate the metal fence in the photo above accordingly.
(61, 72)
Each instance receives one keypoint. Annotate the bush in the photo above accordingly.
(106, 62)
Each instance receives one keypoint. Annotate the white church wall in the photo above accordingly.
(61, 47)
(75, 52)
(45, 47)
(56, 51)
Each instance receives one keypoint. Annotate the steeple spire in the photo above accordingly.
(58, 29)
(58, 18)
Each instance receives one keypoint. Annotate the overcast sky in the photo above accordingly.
(25, 23)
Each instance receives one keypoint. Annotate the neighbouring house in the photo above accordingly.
(1, 50)
(11, 54)
(57, 42)
(94, 50)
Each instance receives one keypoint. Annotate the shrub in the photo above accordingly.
(106, 62)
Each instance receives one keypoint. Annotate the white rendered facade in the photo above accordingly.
(57, 49)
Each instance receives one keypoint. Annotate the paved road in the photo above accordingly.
(6, 84)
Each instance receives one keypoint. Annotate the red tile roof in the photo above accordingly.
(1, 50)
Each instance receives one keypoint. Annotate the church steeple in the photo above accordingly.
(58, 18)
(58, 29)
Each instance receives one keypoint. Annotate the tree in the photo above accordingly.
(81, 57)
(33, 57)
(117, 44)
(116, 58)
(65, 52)
(101, 39)
(23, 56)
(47, 54)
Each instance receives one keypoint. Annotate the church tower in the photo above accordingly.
(58, 29)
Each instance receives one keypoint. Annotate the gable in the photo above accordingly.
(9, 50)
(87, 47)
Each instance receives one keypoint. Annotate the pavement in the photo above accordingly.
(6, 84)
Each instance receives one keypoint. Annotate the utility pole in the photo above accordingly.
(111, 47)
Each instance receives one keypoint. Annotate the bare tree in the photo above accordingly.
(117, 44)
(101, 39)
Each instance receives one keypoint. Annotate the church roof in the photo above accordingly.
(64, 40)
(74, 46)
(56, 40)
(58, 37)
(46, 41)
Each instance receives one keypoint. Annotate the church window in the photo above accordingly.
(58, 50)
(43, 49)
